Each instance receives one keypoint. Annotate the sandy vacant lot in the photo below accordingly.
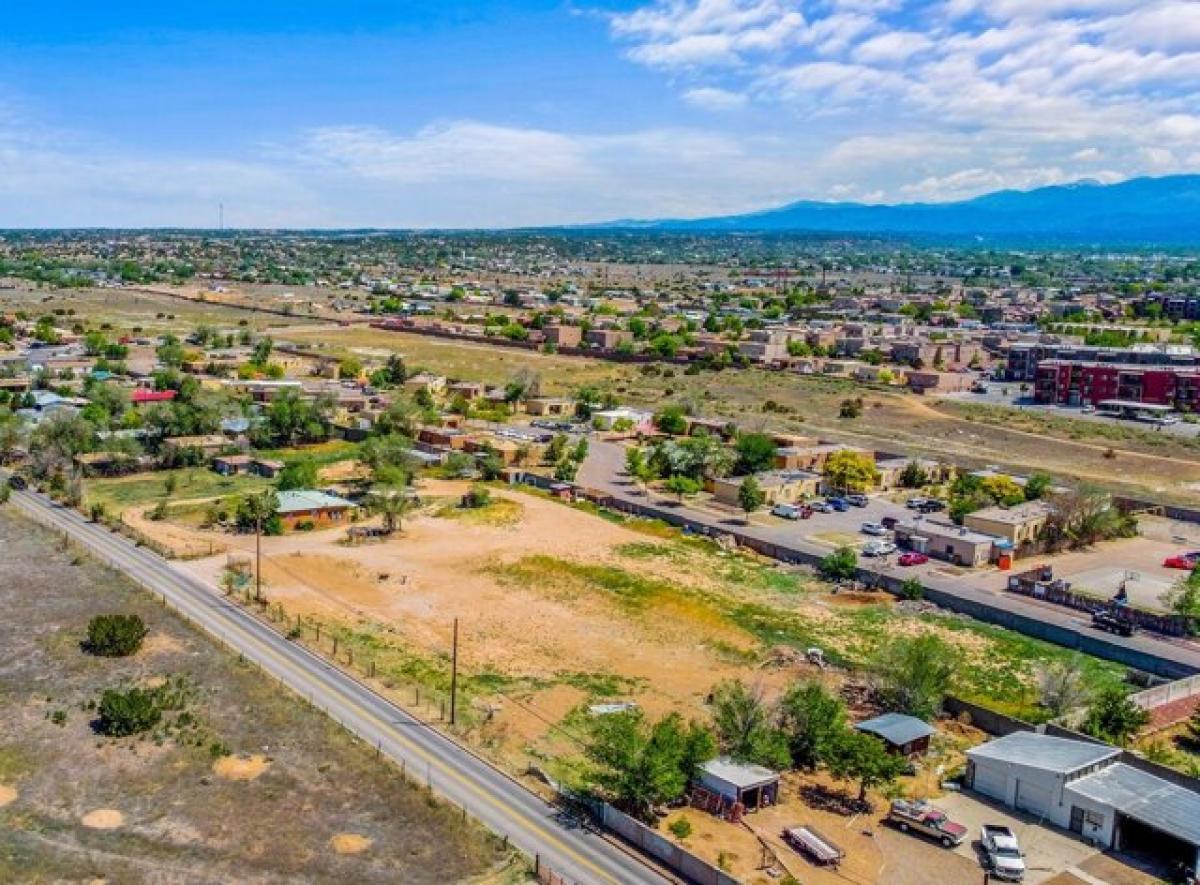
(441, 569)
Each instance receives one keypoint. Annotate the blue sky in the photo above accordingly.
(515, 112)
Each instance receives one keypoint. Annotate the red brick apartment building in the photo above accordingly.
(1077, 384)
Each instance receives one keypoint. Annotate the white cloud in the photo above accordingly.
(894, 46)
(711, 98)
(1029, 85)
(455, 150)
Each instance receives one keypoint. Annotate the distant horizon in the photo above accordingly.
(598, 226)
(506, 114)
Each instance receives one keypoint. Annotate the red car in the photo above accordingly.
(911, 558)
(1185, 561)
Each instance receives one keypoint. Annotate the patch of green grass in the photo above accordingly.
(13, 763)
(630, 590)
(499, 512)
(599, 685)
(193, 483)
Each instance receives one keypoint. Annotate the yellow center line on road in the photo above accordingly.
(529, 824)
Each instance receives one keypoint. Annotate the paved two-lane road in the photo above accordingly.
(498, 802)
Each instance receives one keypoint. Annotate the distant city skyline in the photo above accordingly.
(496, 113)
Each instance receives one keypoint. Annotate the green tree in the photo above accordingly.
(744, 727)
(115, 636)
(854, 755)
(1037, 486)
(755, 453)
(1113, 717)
(848, 470)
(671, 419)
(681, 486)
(123, 713)
(750, 495)
(914, 476)
(299, 474)
(840, 565)
(812, 719)
(557, 448)
(392, 501)
(1184, 597)
(261, 509)
(914, 674)
(643, 765)
(1063, 686)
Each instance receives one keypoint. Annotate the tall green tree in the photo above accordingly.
(745, 727)
(854, 755)
(813, 720)
(642, 765)
(750, 496)
(1113, 717)
(915, 674)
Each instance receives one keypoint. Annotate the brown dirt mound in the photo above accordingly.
(349, 843)
(103, 819)
(8, 795)
(240, 768)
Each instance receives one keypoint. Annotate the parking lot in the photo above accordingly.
(1099, 570)
(1048, 851)
(841, 528)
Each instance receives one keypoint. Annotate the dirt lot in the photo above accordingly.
(252, 786)
(559, 606)
(875, 852)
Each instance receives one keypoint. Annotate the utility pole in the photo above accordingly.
(454, 676)
(258, 557)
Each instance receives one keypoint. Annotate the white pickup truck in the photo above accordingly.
(1003, 853)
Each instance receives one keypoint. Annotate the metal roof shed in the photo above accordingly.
(906, 734)
(751, 785)
(1147, 808)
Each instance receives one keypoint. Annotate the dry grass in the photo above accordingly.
(150, 809)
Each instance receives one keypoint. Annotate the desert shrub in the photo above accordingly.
(681, 828)
(115, 636)
(477, 497)
(132, 711)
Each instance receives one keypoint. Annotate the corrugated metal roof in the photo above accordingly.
(1144, 797)
(1043, 751)
(742, 775)
(897, 728)
(293, 501)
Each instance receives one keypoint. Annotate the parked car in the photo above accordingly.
(841, 505)
(786, 511)
(879, 548)
(1003, 853)
(921, 817)
(857, 500)
(873, 528)
(1185, 561)
(913, 558)
(1088, 409)
(915, 503)
(16, 482)
(932, 505)
(822, 507)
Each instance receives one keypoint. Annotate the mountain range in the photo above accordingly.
(1139, 211)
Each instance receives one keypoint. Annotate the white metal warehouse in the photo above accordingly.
(1085, 788)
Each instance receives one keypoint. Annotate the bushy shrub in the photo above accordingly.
(115, 636)
(132, 711)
